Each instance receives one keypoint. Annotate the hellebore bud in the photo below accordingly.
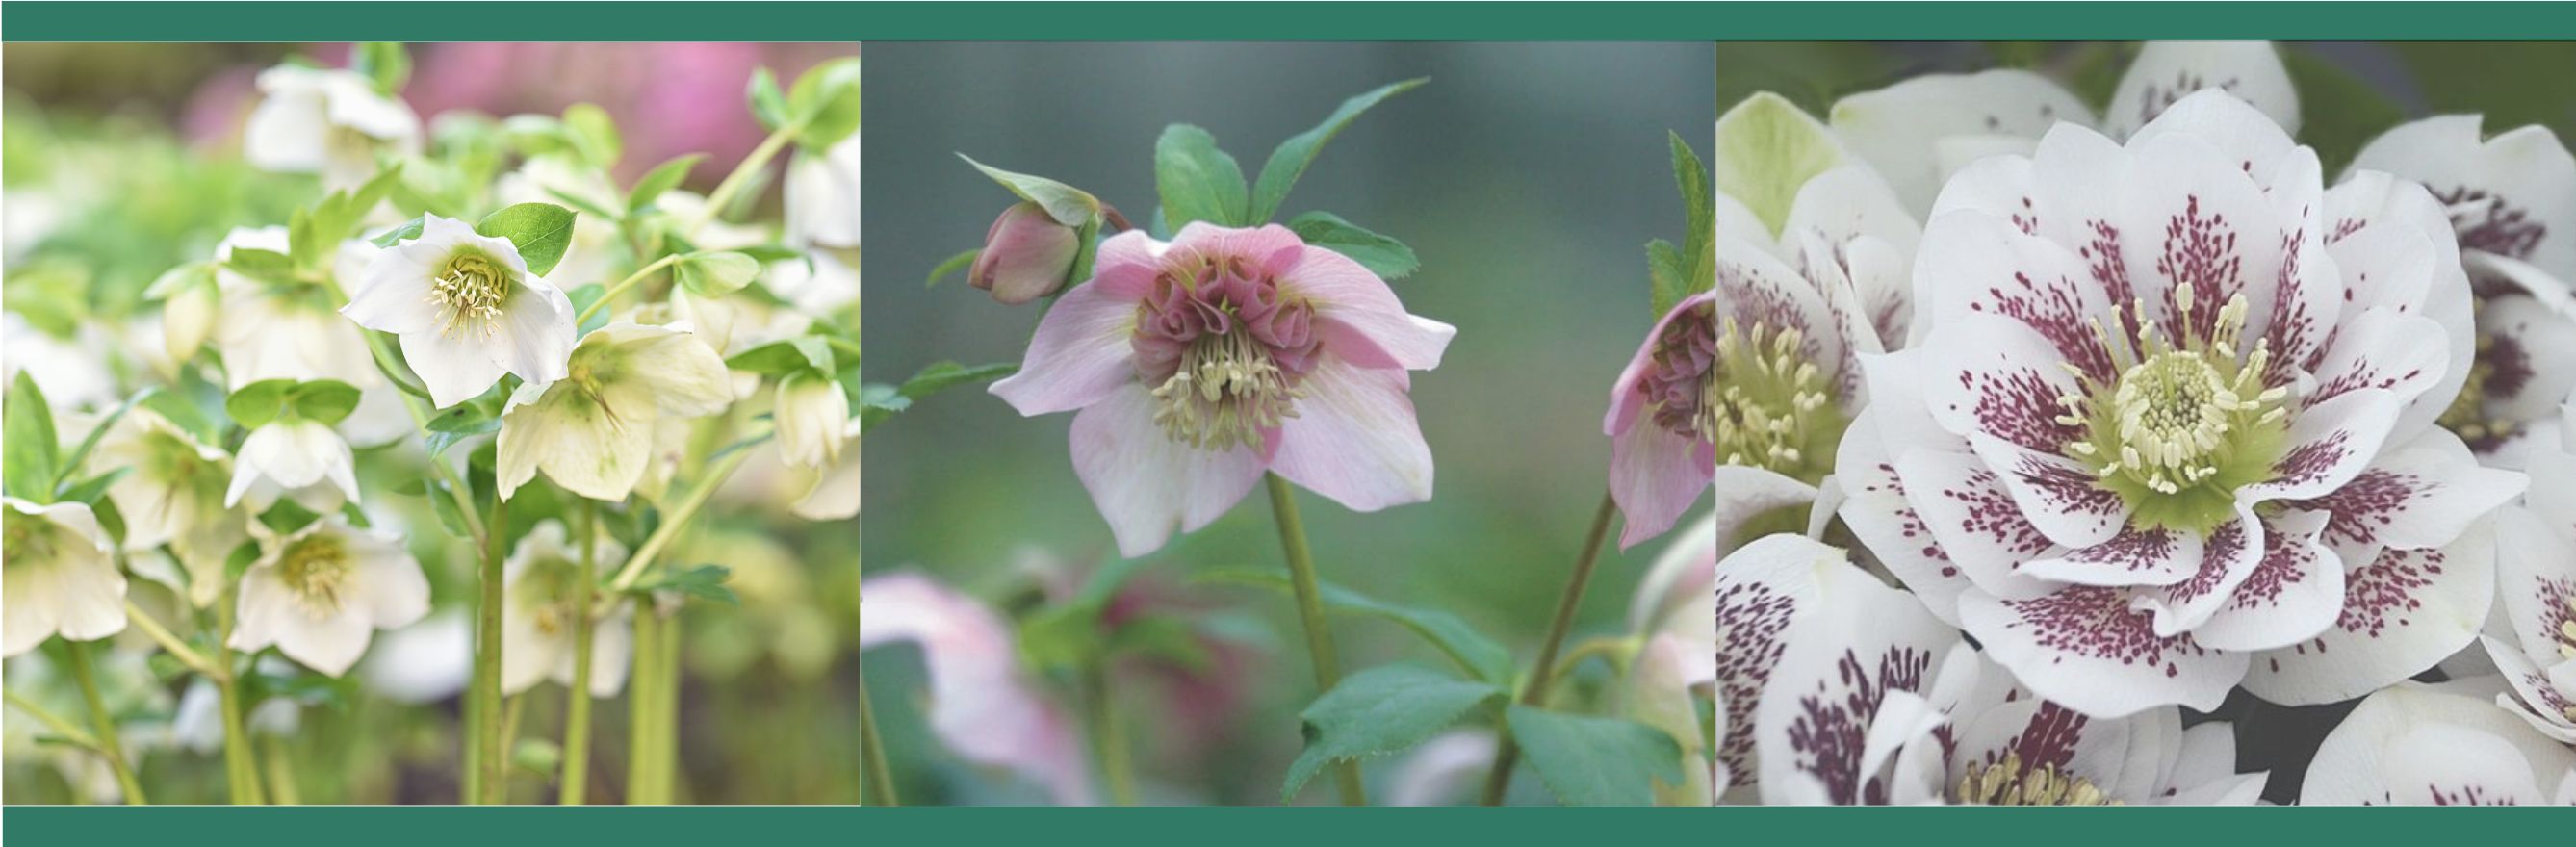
(1027, 255)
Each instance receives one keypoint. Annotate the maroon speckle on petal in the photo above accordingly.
(1834, 720)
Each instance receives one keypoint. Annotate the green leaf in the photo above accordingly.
(385, 64)
(324, 400)
(258, 403)
(825, 101)
(706, 582)
(263, 265)
(442, 503)
(409, 230)
(1692, 177)
(877, 402)
(715, 273)
(30, 461)
(1766, 150)
(662, 178)
(1068, 205)
(469, 418)
(89, 490)
(952, 264)
(1289, 161)
(940, 376)
(1588, 761)
(786, 356)
(541, 231)
(1386, 257)
(593, 134)
(1667, 276)
(768, 104)
(1196, 181)
(1461, 642)
(1380, 711)
(1072, 634)
(183, 413)
(178, 279)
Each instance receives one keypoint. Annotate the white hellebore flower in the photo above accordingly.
(2512, 200)
(467, 310)
(2438, 745)
(2172, 428)
(286, 331)
(811, 411)
(821, 195)
(542, 601)
(592, 430)
(1922, 130)
(59, 577)
(2536, 579)
(296, 457)
(835, 492)
(320, 593)
(174, 494)
(326, 121)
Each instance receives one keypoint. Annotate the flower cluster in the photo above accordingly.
(2103, 421)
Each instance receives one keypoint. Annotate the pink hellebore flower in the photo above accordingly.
(1663, 421)
(983, 705)
(1202, 363)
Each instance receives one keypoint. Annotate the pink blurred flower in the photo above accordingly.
(1200, 364)
(1663, 421)
(982, 703)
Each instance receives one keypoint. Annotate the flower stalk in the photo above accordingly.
(241, 774)
(85, 672)
(493, 760)
(1507, 752)
(878, 777)
(576, 744)
(1310, 611)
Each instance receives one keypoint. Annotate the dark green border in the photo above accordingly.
(28, 20)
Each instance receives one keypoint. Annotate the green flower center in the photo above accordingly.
(317, 568)
(1762, 402)
(2006, 784)
(545, 593)
(2185, 423)
(469, 293)
(1225, 392)
(29, 539)
(2467, 415)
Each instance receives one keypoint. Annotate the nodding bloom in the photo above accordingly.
(2172, 428)
(821, 197)
(466, 309)
(542, 580)
(2438, 745)
(2512, 200)
(301, 459)
(60, 577)
(326, 121)
(286, 331)
(592, 432)
(320, 593)
(983, 704)
(1200, 364)
(834, 494)
(173, 494)
(2536, 583)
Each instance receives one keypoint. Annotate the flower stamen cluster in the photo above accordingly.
(1773, 404)
(2180, 412)
(317, 569)
(469, 294)
(2005, 783)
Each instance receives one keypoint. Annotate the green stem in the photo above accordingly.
(1109, 737)
(733, 182)
(169, 643)
(677, 517)
(576, 744)
(878, 776)
(640, 690)
(1310, 610)
(241, 774)
(630, 281)
(492, 760)
(666, 715)
(281, 772)
(1498, 781)
(65, 728)
(86, 674)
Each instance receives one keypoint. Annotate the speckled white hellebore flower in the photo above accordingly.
(2438, 745)
(300, 458)
(467, 310)
(59, 578)
(811, 411)
(2512, 200)
(2536, 584)
(821, 196)
(835, 492)
(2173, 426)
(983, 705)
(542, 602)
(326, 121)
(1921, 131)
(319, 593)
(592, 430)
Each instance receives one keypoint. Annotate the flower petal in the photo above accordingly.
(1866, 672)
(2517, 190)
(1656, 475)
(2294, 592)
(1761, 589)
(2167, 73)
(453, 367)
(2420, 494)
(1355, 439)
(2084, 647)
(1899, 128)
(1079, 355)
(1145, 483)
(2402, 613)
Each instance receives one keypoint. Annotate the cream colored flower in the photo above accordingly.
(540, 607)
(320, 593)
(592, 431)
(58, 577)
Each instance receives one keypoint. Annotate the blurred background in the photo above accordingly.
(1527, 176)
(122, 161)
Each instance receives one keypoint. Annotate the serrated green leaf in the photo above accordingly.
(406, 231)
(1588, 761)
(89, 490)
(1068, 205)
(1667, 276)
(706, 582)
(1380, 711)
(32, 455)
(877, 402)
(940, 376)
(1197, 181)
(385, 65)
(1289, 161)
(662, 178)
(1386, 257)
(1454, 637)
(324, 400)
(715, 273)
(263, 265)
(541, 231)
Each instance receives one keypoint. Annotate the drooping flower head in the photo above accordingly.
(2172, 426)
(544, 601)
(326, 121)
(60, 578)
(467, 310)
(298, 458)
(274, 330)
(983, 703)
(1202, 363)
(319, 593)
(592, 430)
(2512, 200)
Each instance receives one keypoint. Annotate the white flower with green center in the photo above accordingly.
(2536, 584)
(834, 494)
(592, 430)
(318, 594)
(272, 330)
(59, 577)
(2172, 428)
(326, 121)
(541, 593)
(294, 457)
(467, 310)
(821, 195)
(811, 411)
(174, 494)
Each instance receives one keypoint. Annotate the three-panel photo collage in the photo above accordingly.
(1289, 423)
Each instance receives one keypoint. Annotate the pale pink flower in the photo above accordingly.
(1663, 421)
(1200, 364)
(983, 704)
